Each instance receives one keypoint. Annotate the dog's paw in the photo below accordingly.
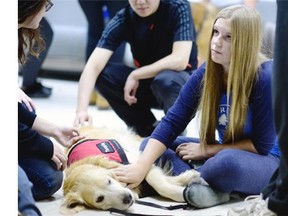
(198, 180)
(188, 176)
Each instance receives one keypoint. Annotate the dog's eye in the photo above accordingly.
(100, 199)
(109, 182)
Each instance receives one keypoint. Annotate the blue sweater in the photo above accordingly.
(259, 125)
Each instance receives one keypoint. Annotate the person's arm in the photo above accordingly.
(195, 151)
(264, 133)
(133, 174)
(93, 68)
(66, 136)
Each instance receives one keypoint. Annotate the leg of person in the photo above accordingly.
(277, 194)
(43, 174)
(26, 202)
(93, 13)
(166, 87)
(230, 171)
(138, 117)
(170, 160)
(30, 71)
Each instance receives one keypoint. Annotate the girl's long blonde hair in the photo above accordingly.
(246, 57)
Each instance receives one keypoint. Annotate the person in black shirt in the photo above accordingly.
(162, 39)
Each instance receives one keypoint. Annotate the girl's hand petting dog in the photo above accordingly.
(131, 174)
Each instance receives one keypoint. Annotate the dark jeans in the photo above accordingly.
(43, 174)
(159, 92)
(93, 12)
(31, 69)
(26, 202)
(277, 189)
(230, 170)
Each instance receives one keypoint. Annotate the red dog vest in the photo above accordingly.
(110, 148)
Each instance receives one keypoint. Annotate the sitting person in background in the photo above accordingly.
(30, 71)
(40, 160)
(162, 39)
(232, 92)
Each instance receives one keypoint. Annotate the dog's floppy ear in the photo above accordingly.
(72, 204)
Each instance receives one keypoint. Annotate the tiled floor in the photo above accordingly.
(60, 108)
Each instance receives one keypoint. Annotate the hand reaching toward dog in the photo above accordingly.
(67, 136)
(131, 174)
(82, 118)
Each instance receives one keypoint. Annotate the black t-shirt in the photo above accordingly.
(151, 38)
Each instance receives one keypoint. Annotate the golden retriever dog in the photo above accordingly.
(90, 182)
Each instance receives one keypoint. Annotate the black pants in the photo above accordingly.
(278, 186)
(93, 12)
(159, 92)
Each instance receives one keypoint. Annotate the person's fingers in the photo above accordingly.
(131, 186)
(57, 162)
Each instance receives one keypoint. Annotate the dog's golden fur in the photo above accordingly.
(91, 183)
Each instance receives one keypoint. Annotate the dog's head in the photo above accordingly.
(88, 185)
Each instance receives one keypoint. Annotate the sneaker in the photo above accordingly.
(257, 207)
(203, 196)
(37, 91)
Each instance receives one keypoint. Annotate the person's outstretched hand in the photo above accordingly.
(67, 136)
(131, 174)
(82, 118)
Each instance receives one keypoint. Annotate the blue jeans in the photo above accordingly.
(230, 170)
(43, 174)
(26, 202)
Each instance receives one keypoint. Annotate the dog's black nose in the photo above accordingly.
(127, 198)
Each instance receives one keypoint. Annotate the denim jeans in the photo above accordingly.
(26, 202)
(43, 174)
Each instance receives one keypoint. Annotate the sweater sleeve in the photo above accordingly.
(183, 110)
(263, 134)
(30, 142)
(25, 116)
